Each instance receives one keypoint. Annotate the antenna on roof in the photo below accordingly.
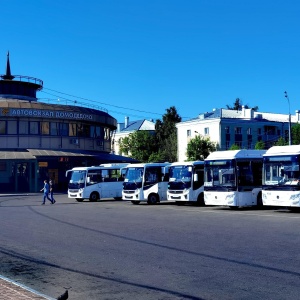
(8, 75)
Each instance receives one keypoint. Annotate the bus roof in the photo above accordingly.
(114, 165)
(283, 150)
(103, 166)
(231, 154)
(142, 165)
(187, 163)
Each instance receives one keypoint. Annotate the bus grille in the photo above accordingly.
(128, 192)
(175, 192)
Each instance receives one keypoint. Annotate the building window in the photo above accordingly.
(2, 127)
(45, 128)
(33, 127)
(249, 141)
(107, 134)
(249, 131)
(12, 127)
(238, 130)
(54, 128)
(23, 127)
(227, 129)
(206, 131)
(96, 132)
(188, 133)
(258, 130)
(83, 130)
(3, 166)
(72, 129)
(227, 145)
(63, 129)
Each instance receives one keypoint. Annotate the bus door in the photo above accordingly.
(112, 183)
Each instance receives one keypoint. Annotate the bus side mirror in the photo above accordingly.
(195, 177)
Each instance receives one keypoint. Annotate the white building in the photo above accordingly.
(228, 127)
(126, 128)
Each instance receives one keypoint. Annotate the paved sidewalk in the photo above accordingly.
(10, 290)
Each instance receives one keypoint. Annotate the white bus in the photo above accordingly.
(93, 183)
(146, 182)
(233, 178)
(186, 182)
(281, 176)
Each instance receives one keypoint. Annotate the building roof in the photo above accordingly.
(139, 125)
(245, 113)
(32, 154)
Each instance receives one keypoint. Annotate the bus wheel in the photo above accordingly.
(200, 200)
(152, 199)
(79, 199)
(135, 202)
(259, 201)
(94, 197)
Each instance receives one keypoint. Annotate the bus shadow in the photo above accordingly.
(246, 208)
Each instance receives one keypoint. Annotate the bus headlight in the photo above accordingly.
(230, 199)
(295, 199)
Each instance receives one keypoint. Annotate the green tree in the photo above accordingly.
(235, 147)
(238, 104)
(296, 134)
(139, 145)
(199, 148)
(281, 142)
(166, 135)
(155, 157)
(260, 145)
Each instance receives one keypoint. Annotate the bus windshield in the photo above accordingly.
(281, 170)
(220, 173)
(134, 174)
(133, 177)
(180, 177)
(77, 179)
(181, 173)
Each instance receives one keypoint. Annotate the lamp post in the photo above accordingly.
(290, 134)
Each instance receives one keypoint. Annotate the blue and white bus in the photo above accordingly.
(281, 176)
(186, 182)
(233, 178)
(96, 183)
(146, 182)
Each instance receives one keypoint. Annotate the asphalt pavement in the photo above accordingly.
(11, 290)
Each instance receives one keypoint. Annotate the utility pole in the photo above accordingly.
(290, 126)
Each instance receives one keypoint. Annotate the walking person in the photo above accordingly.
(51, 185)
(46, 192)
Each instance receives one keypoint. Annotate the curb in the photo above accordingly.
(19, 290)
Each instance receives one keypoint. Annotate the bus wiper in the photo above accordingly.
(227, 185)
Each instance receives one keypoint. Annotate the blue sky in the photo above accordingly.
(137, 58)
